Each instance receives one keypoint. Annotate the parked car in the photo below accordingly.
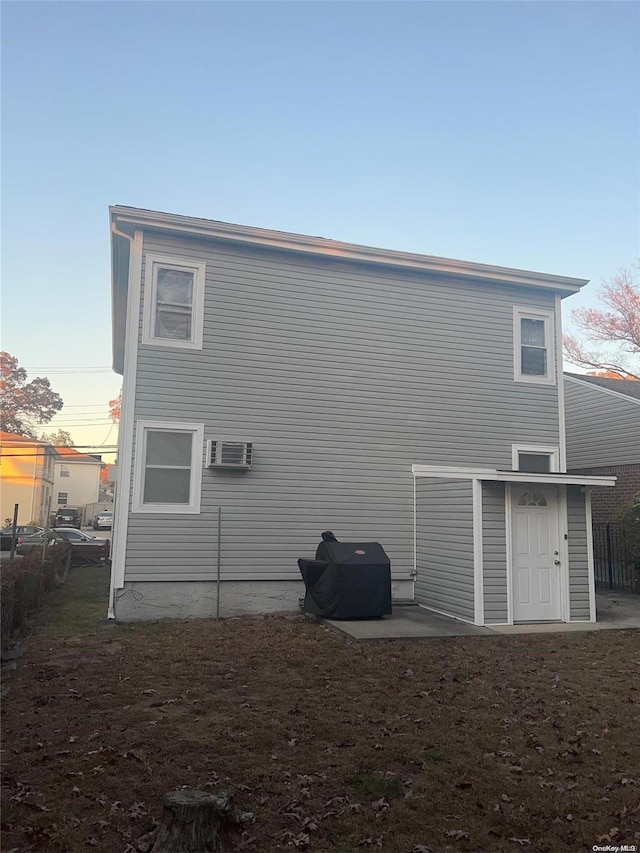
(85, 549)
(103, 521)
(68, 516)
(22, 530)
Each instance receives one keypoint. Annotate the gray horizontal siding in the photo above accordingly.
(494, 549)
(444, 546)
(578, 558)
(602, 428)
(341, 375)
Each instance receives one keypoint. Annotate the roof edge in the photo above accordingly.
(447, 472)
(133, 217)
(587, 384)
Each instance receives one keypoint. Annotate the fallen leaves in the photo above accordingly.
(456, 834)
(457, 745)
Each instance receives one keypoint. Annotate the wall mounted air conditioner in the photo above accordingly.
(229, 454)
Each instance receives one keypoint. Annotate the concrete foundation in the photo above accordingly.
(198, 599)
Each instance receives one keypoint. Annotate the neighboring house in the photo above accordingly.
(77, 478)
(603, 437)
(26, 477)
(303, 384)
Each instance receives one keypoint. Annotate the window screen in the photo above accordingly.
(174, 304)
(167, 470)
(533, 347)
(538, 463)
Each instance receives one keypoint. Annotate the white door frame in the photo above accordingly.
(561, 503)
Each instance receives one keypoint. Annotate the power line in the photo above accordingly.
(66, 367)
(29, 452)
(80, 422)
(6, 448)
(84, 371)
(105, 451)
(104, 443)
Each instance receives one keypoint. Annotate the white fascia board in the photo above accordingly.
(554, 479)
(562, 431)
(453, 473)
(283, 240)
(478, 553)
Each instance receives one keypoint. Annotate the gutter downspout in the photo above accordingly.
(111, 613)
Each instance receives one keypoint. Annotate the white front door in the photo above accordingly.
(536, 554)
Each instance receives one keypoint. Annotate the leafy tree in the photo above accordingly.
(114, 408)
(609, 374)
(22, 403)
(611, 337)
(61, 438)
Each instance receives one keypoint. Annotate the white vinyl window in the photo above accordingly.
(535, 458)
(168, 468)
(173, 302)
(533, 356)
(64, 472)
(63, 497)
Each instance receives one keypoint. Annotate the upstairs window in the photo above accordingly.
(173, 302)
(63, 497)
(64, 472)
(533, 346)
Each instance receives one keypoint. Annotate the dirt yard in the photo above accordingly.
(520, 743)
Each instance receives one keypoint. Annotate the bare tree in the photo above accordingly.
(610, 339)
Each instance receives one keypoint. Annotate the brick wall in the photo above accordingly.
(606, 501)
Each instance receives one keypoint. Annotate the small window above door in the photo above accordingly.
(537, 463)
(537, 459)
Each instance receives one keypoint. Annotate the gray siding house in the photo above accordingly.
(603, 437)
(277, 385)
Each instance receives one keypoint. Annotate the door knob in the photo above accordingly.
(557, 562)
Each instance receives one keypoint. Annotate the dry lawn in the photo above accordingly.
(527, 743)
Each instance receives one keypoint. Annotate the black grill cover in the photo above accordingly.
(347, 580)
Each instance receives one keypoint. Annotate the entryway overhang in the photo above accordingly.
(565, 567)
(453, 473)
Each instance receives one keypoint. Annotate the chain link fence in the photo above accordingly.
(22, 583)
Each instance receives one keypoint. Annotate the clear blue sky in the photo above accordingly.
(500, 132)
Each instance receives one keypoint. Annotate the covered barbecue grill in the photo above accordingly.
(347, 580)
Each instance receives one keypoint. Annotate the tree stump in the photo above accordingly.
(197, 822)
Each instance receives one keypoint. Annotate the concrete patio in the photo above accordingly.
(615, 610)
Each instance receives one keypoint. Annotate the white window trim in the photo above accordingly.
(553, 451)
(519, 314)
(199, 269)
(193, 507)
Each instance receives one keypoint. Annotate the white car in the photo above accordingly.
(103, 521)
